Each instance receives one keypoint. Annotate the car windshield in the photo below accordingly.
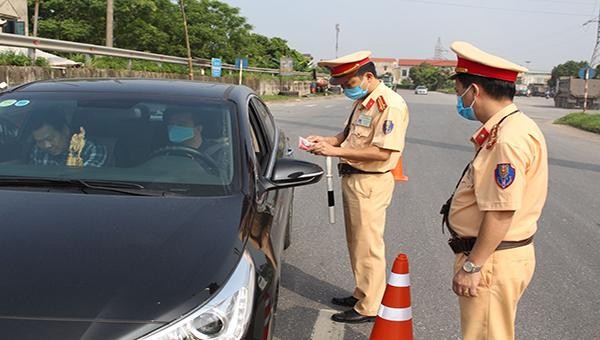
(180, 145)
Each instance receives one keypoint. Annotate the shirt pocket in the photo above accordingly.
(361, 131)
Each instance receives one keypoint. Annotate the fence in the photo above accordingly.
(33, 43)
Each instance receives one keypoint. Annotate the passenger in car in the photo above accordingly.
(52, 137)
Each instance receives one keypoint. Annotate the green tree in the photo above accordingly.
(570, 68)
(216, 29)
(430, 76)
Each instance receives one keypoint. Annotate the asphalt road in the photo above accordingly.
(561, 303)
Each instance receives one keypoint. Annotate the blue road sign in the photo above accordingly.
(216, 67)
(243, 61)
(591, 72)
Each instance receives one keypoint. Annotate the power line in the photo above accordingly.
(567, 2)
(494, 8)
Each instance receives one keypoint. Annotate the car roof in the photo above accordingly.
(162, 87)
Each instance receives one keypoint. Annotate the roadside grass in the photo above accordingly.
(447, 91)
(583, 121)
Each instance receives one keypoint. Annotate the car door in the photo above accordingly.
(272, 206)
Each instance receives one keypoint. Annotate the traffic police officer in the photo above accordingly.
(369, 148)
(493, 213)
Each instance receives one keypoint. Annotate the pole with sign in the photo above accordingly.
(215, 66)
(241, 70)
(586, 73)
(241, 63)
(585, 89)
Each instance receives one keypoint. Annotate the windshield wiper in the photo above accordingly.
(120, 187)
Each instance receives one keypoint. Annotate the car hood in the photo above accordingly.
(106, 266)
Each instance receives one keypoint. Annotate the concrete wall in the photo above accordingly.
(16, 75)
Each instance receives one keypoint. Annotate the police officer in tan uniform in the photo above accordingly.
(493, 213)
(369, 148)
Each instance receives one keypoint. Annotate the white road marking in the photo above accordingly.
(329, 106)
(311, 105)
(325, 328)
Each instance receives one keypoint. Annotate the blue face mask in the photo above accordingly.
(356, 92)
(179, 134)
(465, 112)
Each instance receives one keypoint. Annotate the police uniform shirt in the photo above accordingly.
(510, 173)
(380, 119)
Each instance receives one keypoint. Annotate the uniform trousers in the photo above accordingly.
(365, 199)
(504, 277)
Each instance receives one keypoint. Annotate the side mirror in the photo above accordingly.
(289, 172)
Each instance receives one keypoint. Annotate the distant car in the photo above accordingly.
(522, 90)
(135, 230)
(421, 90)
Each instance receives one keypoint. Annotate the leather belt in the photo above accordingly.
(347, 169)
(465, 245)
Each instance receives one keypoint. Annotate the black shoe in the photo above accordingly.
(351, 316)
(349, 301)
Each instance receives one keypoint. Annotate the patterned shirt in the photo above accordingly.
(93, 155)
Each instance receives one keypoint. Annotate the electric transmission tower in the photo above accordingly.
(440, 51)
(595, 60)
(337, 38)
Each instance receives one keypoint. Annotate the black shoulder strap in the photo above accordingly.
(446, 207)
(347, 128)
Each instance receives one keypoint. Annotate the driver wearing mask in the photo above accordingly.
(185, 129)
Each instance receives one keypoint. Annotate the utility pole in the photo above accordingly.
(594, 61)
(187, 40)
(109, 23)
(337, 38)
(36, 14)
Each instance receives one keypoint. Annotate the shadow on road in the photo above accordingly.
(309, 286)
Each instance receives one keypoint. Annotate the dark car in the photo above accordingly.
(149, 209)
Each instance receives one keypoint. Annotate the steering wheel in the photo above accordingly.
(203, 159)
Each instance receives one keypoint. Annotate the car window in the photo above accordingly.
(260, 141)
(266, 120)
(183, 144)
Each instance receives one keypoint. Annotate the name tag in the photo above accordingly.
(364, 120)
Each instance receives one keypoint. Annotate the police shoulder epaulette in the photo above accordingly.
(381, 104)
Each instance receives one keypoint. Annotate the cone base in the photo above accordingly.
(392, 330)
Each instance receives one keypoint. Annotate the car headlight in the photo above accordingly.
(224, 317)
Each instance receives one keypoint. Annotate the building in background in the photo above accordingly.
(535, 77)
(13, 15)
(402, 71)
(384, 65)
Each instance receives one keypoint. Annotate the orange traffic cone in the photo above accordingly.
(394, 320)
(397, 172)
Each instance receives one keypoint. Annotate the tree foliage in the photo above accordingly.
(216, 29)
(427, 75)
(569, 68)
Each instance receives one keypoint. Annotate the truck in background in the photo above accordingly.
(538, 90)
(570, 92)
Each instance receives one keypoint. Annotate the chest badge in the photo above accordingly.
(505, 175)
(364, 120)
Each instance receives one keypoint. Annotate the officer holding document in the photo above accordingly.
(369, 147)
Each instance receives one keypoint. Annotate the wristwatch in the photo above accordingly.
(470, 267)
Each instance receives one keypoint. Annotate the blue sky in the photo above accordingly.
(541, 32)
